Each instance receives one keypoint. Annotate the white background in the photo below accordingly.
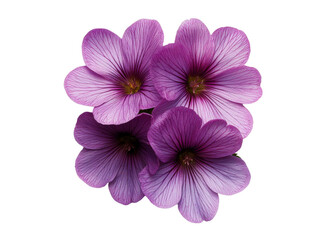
(41, 196)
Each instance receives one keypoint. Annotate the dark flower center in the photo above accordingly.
(132, 85)
(186, 157)
(128, 142)
(195, 85)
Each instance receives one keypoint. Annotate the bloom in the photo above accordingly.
(114, 154)
(116, 79)
(196, 164)
(207, 74)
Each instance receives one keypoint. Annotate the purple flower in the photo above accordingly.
(114, 154)
(196, 164)
(116, 79)
(207, 74)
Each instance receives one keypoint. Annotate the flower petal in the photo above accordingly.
(194, 35)
(216, 139)
(101, 50)
(228, 175)
(117, 110)
(149, 96)
(140, 41)
(86, 87)
(174, 131)
(232, 49)
(240, 84)
(198, 203)
(170, 69)
(162, 107)
(214, 107)
(91, 134)
(163, 188)
(97, 167)
(125, 188)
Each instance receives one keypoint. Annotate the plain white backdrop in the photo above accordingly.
(41, 196)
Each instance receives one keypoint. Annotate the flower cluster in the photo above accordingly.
(167, 120)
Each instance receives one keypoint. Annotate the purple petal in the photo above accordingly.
(163, 188)
(139, 127)
(240, 84)
(215, 107)
(198, 202)
(86, 87)
(140, 41)
(170, 69)
(209, 107)
(232, 48)
(90, 134)
(125, 188)
(216, 139)
(97, 167)
(195, 36)
(149, 96)
(228, 175)
(173, 131)
(101, 50)
(117, 110)
(163, 106)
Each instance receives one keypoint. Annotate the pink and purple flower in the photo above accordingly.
(115, 154)
(116, 80)
(207, 74)
(197, 164)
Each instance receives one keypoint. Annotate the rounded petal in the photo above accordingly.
(194, 35)
(216, 140)
(162, 107)
(86, 87)
(228, 175)
(125, 188)
(140, 41)
(117, 110)
(214, 107)
(101, 50)
(198, 203)
(231, 48)
(170, 69)
(174, 131)
(163, 188)
(97, 167)
(91, 134)
(240, 84)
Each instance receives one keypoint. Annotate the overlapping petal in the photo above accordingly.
(170, 68)
(195, 36)
(214, 107)
(164, 188)
(175, 130)
(97, 167)
(91, 134)
(102, 53)
(228, 175)
(231, 49)
(119, 109)
(216, 140)
(140, 41)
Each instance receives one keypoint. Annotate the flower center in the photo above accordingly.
(128, 142)
(186, 157)
(132, 85)
(195, 84)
